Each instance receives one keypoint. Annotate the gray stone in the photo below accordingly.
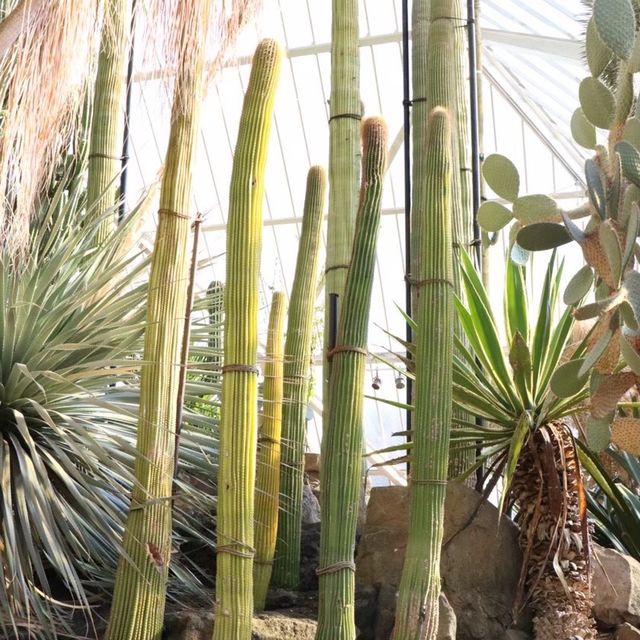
(480, 563)
(616, 587)
(447, 622)
(627, 632)
(271, 625)
(310, 506)
(516, 634)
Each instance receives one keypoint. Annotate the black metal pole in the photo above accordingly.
(406, 103)
(127, 115)
(473, 117)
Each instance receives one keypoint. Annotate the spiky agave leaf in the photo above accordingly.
(69, 366)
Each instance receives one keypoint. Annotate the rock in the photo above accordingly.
(281, 599)
(516, 634)
(309, 554)
(626, 632)
(375, 614)
(616, 587)
(480, 592)
(198, 625)
(310, 506)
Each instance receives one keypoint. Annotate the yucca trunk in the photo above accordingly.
(345, 111)
(140, 587)
(341, 453)
(417, 608)
(268, 464)
(286, 570)
(548, 491)
(438, 78)
(238, 430)
(107, 124)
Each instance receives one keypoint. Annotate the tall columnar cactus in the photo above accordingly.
(268, 465)
(139, 594)
(438, 78)
(107, 125)
(215, 292)
(417, 609)
(238, 431)
(297, 350)
(344, 164)
(341, 470)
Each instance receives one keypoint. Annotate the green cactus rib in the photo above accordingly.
(140, 587)
(341, 452)
(417, 608)
(286, 571)
(344, 160)
(268, 463)
(215, 292)
(238, 431)
(107, 124)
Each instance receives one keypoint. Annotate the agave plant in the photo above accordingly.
(71, 328)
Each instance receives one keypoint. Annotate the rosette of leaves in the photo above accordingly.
(71, 328)
(609, 239)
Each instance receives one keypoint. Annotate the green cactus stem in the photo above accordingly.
(341, 470)
(268, 465)
(107, 124)
(139, 594)
(417, 608)
(238, 430)
(286, 570)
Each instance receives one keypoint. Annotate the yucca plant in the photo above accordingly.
(527, 441)
(71, 329)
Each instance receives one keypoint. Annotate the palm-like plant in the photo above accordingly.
(71, 327)
(526, 441)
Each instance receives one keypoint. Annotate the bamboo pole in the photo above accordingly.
(238, 430)
(286, 572)
(139, 595)
(268, 464)
(107, 124)
(341, 469)
(417, 608)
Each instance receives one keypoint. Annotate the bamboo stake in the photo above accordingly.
(238, 430)
(341, 469)
(417, 608)
(140, 587)
(268, 465)
(286, 572)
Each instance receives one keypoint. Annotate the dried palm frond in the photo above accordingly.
(42, 81)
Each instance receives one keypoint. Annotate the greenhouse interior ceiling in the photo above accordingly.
(525, 117)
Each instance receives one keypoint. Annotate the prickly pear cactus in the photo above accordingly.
(609, 238)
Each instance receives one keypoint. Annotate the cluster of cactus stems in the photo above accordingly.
(341, 451)
(238, 430)
(609, 238)
(417, 609)
(139, 594)
(268, 462)
(105, 148)
(298, 345)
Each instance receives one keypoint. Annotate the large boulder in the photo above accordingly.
(480, 561)
(616, 587)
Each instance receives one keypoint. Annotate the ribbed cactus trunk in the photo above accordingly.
(438, 78)
(345, 111)
(140, 587)
(107, 124)
(268, 465)
(286, 571)
(238, 431)
(215, 292)
(417, 608)
(341, 453)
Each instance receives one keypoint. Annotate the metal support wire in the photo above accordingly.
(406, 103)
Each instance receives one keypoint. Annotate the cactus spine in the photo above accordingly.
(139, 594)
(417, 609)
(238, 431)
(107, 125)
(286, 570)
(341, 471)
(344, 162)
(268, 465)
